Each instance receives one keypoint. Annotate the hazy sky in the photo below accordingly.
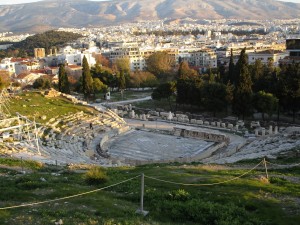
(9, 2)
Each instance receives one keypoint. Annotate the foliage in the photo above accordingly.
(140, 79)
(63, 81)
(87, 80)
(4, 79)
(17, 162)
(105, 74)
(290, 88)
(99, 86)
(242, 103)
(185, 71)
(165, 90)
(231, 72)
(121, 81)
(214, 96)
(42, 83)
(96, 175)
(189, 91)
(123, 65)
(265, 103)
(160, 64)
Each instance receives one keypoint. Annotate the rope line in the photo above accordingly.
(68, 197)
(211, 184)
(291, 165)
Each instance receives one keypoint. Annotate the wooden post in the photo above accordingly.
(141, 209)
(142, 192)
(265, 163)
(22, 164)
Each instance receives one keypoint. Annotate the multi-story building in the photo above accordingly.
(266, 56)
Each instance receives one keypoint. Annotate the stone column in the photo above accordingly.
(270, 130)
(218, 124)
(256, 132)
(263, 132)
(276, 130)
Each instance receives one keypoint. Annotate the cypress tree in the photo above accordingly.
(87, 80)
(243, 61)
(243, 95)
(231, 69)
(63, 81)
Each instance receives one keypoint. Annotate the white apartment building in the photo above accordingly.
(137, 55)
(74, 59)
(198, 57)
(8, 64)
(267, 55)
(26, 66)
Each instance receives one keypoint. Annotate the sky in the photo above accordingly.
(10, 2)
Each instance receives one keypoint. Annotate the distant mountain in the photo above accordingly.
(49, 14)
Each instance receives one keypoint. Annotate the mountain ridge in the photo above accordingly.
(51, 14)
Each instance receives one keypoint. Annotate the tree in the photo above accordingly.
(121, 81)
(63, 81)
(98, 86)
(290, 81)
(160, 64)
(185, 71)
(141, 79)
(189, 91)
(87, 80)
(123, 65)
(242, 104)
(231, 71)
(165, 90)
(265, 103)
(42, 83)
(4, 79)
(257, 72)
(214, 97)
(242, 62)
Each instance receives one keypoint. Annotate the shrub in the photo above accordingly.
(96, 175)
(278, 180)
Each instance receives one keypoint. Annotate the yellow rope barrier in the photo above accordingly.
(211, 184)
(68, 197)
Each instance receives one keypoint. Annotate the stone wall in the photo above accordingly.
(201, 135)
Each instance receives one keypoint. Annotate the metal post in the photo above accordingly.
(141, 209)
(265, 163)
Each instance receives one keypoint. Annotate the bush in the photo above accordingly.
(96, 175)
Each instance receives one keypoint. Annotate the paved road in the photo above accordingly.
(127, 101)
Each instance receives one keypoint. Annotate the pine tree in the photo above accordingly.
(87, 80)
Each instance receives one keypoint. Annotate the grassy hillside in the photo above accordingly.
(34, 105)
(249, 200)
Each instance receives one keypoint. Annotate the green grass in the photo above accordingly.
(34, 105)
(244, 201)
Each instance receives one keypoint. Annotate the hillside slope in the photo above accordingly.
(51, 14)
